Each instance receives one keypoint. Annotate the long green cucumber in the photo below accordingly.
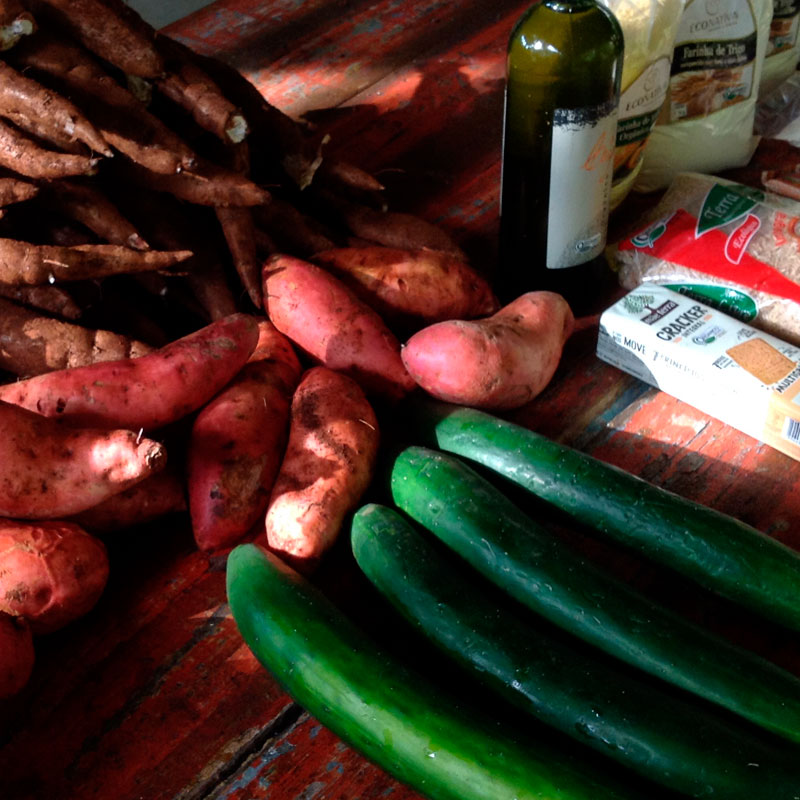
(390, 714)
(664, 735)
(713, 549)
(475, 519)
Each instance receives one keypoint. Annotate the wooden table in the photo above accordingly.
(153, 694)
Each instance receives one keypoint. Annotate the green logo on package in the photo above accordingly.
(729, 301)
(725, 204)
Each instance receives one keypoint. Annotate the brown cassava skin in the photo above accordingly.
(23, 156)
(51, 299)
(120, 117)
(48, 470)
(237, 443)
(17, 655)
(33, 107)
(108, 34)
(51, 573)
(147, 392)
(326, 320)
(500, 362)
(91, 207)
(16, 191)
(156, 496)
(239, 231)
(15, 22)
(412, 286)
(25, 263)
(32, 343)
(329, 463)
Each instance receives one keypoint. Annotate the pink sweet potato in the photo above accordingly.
(156, 496)
(499, 362)
(332, 326)
(48, 470)
(412, 286)
(329, 462)
(17, 655)
(51, 573)
(147, 392)
(237, 443)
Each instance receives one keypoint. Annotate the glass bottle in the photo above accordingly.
(564, 66)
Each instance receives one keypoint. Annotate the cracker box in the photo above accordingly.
(721, 366)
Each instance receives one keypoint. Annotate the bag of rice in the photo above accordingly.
(649, 28)
(706, 123)
(732, 246)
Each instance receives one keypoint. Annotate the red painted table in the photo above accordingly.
(153, 694)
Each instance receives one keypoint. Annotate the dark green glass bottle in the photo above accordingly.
(562, 93)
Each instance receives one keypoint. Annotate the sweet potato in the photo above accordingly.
(413, 287)
(500, 362)
(45, 113)
(23, 156)
(121, 118)
(17, 655)
(48, 470)
(156, 496)
(99, 26)
(15, 22)
(237, 443)
(147, 392)
(390, 228)
(32, 344)
(51, 573)
(31, 264)
(329, 462)
(332, 326)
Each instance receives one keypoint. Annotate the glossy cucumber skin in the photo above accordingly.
(389, 714)
(470, 515)
(662, 735)
(713, 549)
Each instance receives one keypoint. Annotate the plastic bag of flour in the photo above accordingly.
(706, 123)
(649, 28)
(783, 47)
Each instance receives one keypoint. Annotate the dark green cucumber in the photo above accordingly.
(539, 569)
(390, 714)
(713, 549)
(662, 734)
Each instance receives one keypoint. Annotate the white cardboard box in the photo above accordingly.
(721, 366)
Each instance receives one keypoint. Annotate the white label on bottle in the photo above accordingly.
(581, 163)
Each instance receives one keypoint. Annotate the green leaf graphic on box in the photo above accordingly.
(724, 204)
(730, 301)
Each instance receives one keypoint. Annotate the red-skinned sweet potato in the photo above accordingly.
(237, 444)
(500, 362)
(412, 287)
(17, 655)
(332, 326)
(147, 392)
(329, 462)
(51, 573)
(48, 470)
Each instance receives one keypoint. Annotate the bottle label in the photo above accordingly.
(581, 165)
(713, 63)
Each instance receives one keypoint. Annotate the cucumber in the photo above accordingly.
(475, 519)
(390, 714)
(713, 549)
(663, 735)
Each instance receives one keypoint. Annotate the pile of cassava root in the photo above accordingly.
(254, 293)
